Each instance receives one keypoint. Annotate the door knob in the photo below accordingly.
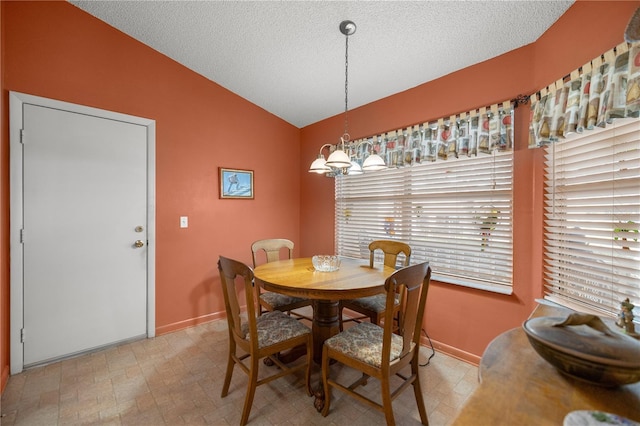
(138, 243)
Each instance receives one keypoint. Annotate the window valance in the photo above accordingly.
(480, 131)
(602, 90)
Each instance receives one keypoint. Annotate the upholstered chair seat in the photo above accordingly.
(373, 303)
(364, 343)
(280, 302)
(276, 327)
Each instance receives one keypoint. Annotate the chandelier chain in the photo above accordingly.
(346, 85)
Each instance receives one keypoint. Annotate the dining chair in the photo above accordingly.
(269, 300)
(378, 352)
(257, 337)
(373, 307)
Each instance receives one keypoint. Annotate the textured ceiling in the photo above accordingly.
(288, 57)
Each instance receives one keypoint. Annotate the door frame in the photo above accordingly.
(16, 102)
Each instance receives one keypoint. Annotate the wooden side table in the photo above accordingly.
(518, 387)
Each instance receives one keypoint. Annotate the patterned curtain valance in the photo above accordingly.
(606, 88)
(468, 134)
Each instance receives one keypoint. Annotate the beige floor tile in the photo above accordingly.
(176, 379)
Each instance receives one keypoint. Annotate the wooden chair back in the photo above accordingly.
(359, 347)
(391, 250)
(232, 273)
(278, 333)
(272, 248)
(412, 282)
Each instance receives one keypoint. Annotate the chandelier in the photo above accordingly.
(339, 162)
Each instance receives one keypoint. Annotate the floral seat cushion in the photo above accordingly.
(276, 299)
(375, 303)
(364, 343)
(275, 327)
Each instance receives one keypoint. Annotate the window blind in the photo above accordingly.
(592, 215)
(456, 214)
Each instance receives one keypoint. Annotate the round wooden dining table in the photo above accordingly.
(298, 277)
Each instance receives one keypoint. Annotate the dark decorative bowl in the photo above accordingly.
(583, 347)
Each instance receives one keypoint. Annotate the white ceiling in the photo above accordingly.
(288, 57)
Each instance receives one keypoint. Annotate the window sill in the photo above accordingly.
(493, 288)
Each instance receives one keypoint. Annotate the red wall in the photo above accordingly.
(55, 50)
(463, 321)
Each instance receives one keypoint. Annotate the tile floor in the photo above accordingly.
(176, 379)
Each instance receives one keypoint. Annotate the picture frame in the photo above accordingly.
(235, 183)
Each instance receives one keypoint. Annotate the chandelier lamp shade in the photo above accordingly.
(355, 168)
(339, 158)
(339, 162)
(373, 162)
(319, 165)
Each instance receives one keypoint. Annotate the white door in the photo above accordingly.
(84, 232)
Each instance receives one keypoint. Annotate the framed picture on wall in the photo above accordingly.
(235, 183)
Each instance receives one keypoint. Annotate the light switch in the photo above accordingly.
(184, 221)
